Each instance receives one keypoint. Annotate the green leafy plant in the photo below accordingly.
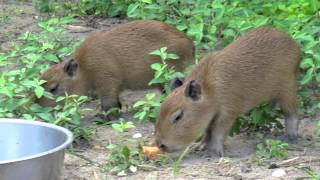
(45, 5)
(177, 163)
(311, 173)
(271, 149)
(19, 83)
(163, 72)
(261, 119)
(127, 156)
(147, 108)
(122, 126)
(84, 7)
(121, 157)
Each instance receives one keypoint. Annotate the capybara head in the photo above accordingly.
(60, 79)
(182, 117)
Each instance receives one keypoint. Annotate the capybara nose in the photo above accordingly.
(161, 146)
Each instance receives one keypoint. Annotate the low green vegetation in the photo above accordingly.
(84, 7)
(148, 107)
(270, 149)
(126, 156)
(311, 173)
(19, 83)
(121, 157)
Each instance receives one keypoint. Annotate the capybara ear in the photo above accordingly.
(175, 83)
(193, 90)
(70, 68)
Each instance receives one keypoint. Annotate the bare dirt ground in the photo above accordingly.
(17, 18)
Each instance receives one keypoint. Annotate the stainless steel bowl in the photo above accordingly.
(31, 150)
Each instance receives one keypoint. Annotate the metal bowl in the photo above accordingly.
(32, 150)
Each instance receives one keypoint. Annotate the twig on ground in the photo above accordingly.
(84, 158)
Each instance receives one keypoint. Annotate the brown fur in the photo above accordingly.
(110, 62)
(259, 67)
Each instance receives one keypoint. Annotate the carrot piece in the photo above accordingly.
(151, 151)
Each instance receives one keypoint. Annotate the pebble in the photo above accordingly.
(278, 173)
(137, 135)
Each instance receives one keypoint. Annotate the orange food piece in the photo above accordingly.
(151, 151)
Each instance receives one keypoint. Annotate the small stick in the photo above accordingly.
(84, 158)
(287, 161)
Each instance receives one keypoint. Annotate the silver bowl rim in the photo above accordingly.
(51, 151)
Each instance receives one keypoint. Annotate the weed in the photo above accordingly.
(260, 119)
(84, 7)
(121, 158)
(163, 73)
(271, 149)
(19, 83)
(122, 126)
(147, 108)
(311, 173)
(177, 163)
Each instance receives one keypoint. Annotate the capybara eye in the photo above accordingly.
(54, 89)
(178, 117)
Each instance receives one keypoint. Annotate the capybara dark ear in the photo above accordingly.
(175, 83)
(71, 67)
(193, 90)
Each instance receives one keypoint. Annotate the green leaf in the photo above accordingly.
(147, 1)
(126, 152)
(307, 77)
(172, 56)
(33, 57)
(46, 116)
(117, 127)
(131, 9)
(39, 91)
(28, 117)
(6, 92)
(66, 20)
(138, 103)
(156, 66)
(51, 57)
(156, 52)
(306, 63)
(60, 98)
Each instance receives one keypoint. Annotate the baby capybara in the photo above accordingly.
(108, 62)
(260, 66)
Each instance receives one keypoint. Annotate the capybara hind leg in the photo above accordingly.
(109, 102)
(288, 103)
(109, 99)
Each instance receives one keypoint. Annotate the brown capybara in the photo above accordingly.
(108, 62)
(261, 66)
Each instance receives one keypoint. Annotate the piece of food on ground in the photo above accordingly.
(151, 151)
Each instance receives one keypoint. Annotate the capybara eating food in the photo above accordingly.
(108, 62)
(261, 66)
